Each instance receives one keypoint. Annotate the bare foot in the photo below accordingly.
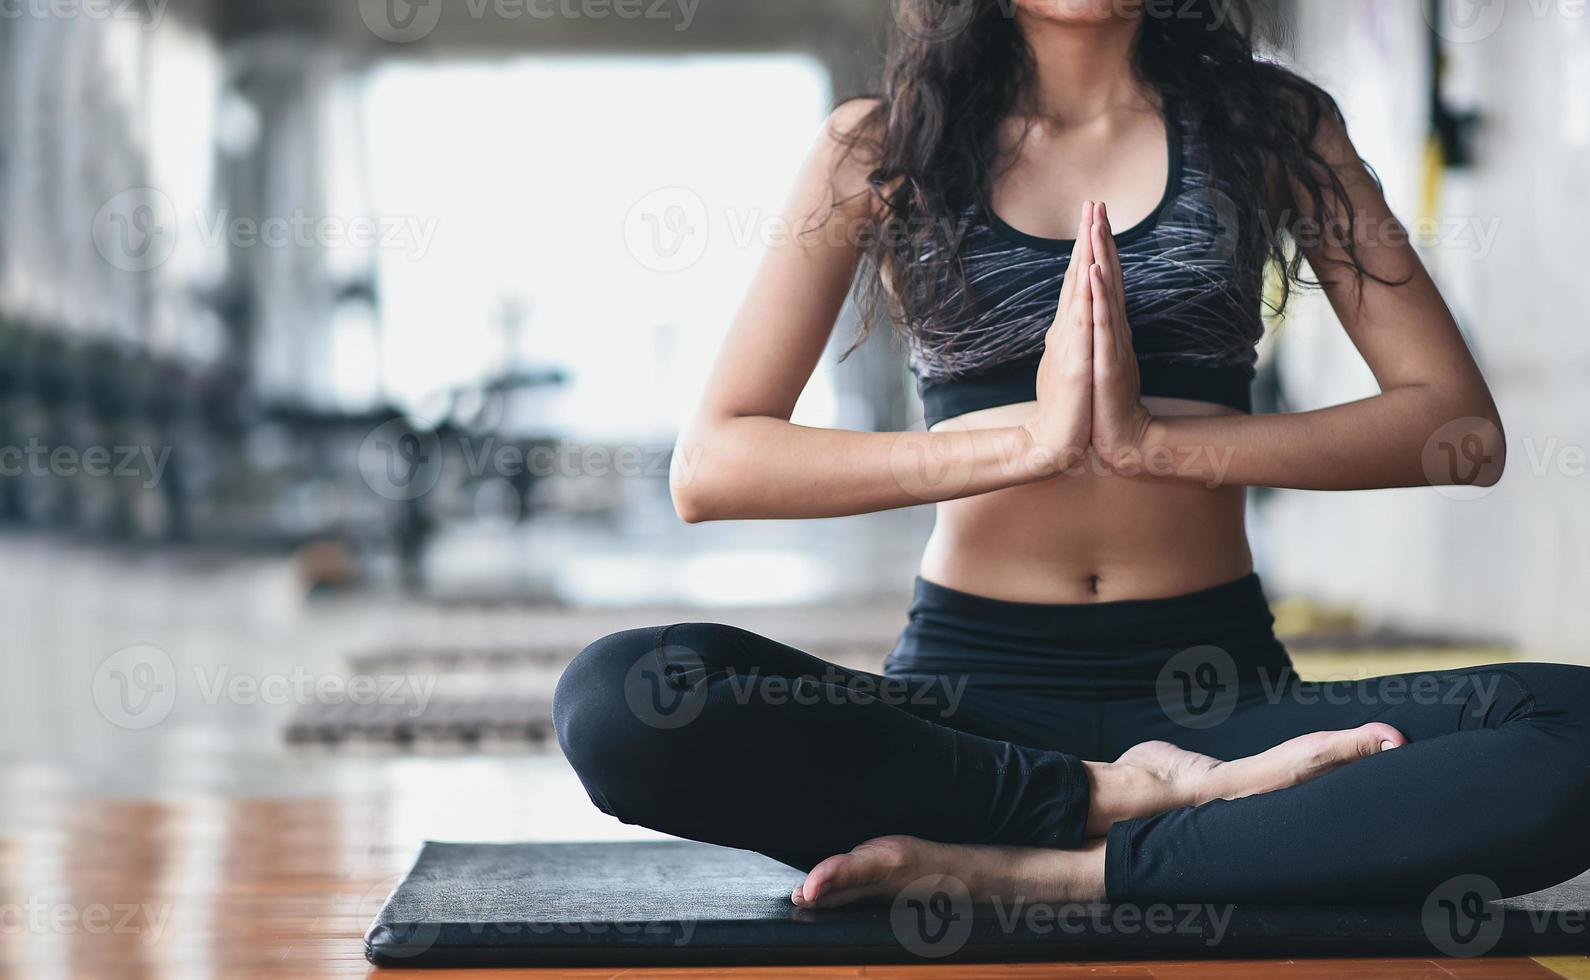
(1297, 761)
(881, 869)
(1150, 778)
(1157, 776)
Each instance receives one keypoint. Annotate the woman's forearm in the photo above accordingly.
(1405, 437)
(767, 469)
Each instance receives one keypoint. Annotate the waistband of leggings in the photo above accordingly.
(1236, 611)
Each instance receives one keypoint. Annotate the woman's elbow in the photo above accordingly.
(1493, 442)
(690, 503)
(694, 499)
(1471, 451)
(691, 506)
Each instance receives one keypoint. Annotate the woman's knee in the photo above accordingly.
(625, 710)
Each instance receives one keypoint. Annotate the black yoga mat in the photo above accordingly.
(685, 904)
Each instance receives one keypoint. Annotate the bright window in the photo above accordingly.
(532, 171)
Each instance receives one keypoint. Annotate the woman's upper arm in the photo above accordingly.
(1395, 315)
(783, 325)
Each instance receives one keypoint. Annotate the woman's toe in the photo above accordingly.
(1383, 738)
(832, 875)
(860, 874)
(1359, 743)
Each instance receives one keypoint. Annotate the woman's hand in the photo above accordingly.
(1120, 422)
(1062, 428)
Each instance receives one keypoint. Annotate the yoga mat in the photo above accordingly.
(686, 904)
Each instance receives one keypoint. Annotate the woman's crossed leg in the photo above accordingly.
(716, 734)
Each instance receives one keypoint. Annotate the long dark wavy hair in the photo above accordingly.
(957, 69)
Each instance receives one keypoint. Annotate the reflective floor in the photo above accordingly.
(285, 887)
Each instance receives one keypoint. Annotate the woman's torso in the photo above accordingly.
(1194, 305)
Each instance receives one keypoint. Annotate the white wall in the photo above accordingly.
(1514, 563)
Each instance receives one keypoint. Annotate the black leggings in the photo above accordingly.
(975, 732)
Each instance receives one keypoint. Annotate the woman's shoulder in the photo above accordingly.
(851, 148)
(854, 117)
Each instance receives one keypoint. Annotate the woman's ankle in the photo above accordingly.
(1119, 792)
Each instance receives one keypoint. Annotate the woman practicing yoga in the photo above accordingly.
(1068, 208)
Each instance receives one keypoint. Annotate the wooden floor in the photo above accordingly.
(266, 888)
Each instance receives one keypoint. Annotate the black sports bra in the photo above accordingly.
(1193, 299)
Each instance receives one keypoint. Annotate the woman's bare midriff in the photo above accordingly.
(1090, 536)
